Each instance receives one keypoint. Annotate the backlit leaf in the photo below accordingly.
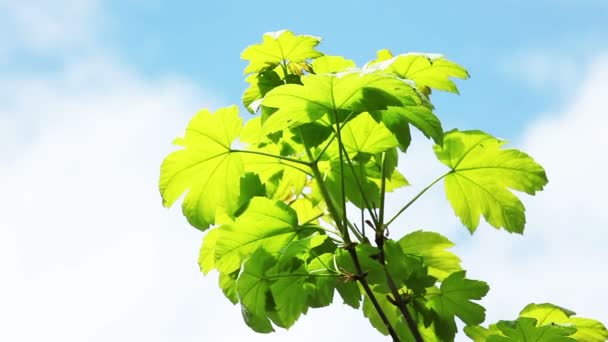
(205, 169)
(482, 174)
(455, 299)
(525, 329)
(336, 95)
(433, 249)
(266, 223)
(588, 330)
(280, 47)
(427, 70)
(253, 291)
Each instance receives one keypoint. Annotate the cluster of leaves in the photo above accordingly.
(541, 322)
(327, 134)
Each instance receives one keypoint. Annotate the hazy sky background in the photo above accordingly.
(92, 93)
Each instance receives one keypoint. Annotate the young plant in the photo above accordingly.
(275, 194)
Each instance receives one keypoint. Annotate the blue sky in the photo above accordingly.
(92, 92)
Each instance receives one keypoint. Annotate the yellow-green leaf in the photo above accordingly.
(205, 169)
(482, 174)
(280, 47)
(588, 330)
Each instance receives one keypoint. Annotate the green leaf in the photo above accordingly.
(406, 270)
(227, 282)
(427, 70)
(251, 186)
(588, 330)
(322, 94)
(290, 295)
(420, 117)
(322, 293)
(259, 84)
(350, 293)
(368, 260)
(432, 247)
(280, 47)
(331, 64)
(253, 291)
(312, 134)
(525, 329)
(478, 333)
(266, 223)
(364, 135)
(205, 168)
(206, 259)
(362, 181)
(481, 176)
(455, 299)
(391, 312)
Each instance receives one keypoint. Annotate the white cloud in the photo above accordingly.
(542, 69)
(49, 26)
(87, 252)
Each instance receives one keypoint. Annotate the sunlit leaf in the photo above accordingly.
(588, 330)
(331, 64)
(427, 70)
(482, 174)
(433, 249)
(253, 291)
(205, 169)
(280, 47)
(336, 95)
(266, 223)
(525, 329)
(259, 84)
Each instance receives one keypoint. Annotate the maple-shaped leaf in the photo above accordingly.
(253, 288)
(477, 333)
(335, 94)
(526, 329)
(433, 249)
(398, 119)
(205, 168)
(280, 47)
(361, 181)
(331, 64)
(259, 84)
(588, 330)
(290, 292)
(265, 223)
(364, 135)
(426, 70)
(482, 174)
(454, 298)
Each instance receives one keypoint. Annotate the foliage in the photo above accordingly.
(327, 135)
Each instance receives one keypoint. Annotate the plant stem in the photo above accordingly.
(413, 327)
(341, 156)
(372, 296)
(350, 246)
(359, 185)
(403, 307)
(416, 197)
(382, 195)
